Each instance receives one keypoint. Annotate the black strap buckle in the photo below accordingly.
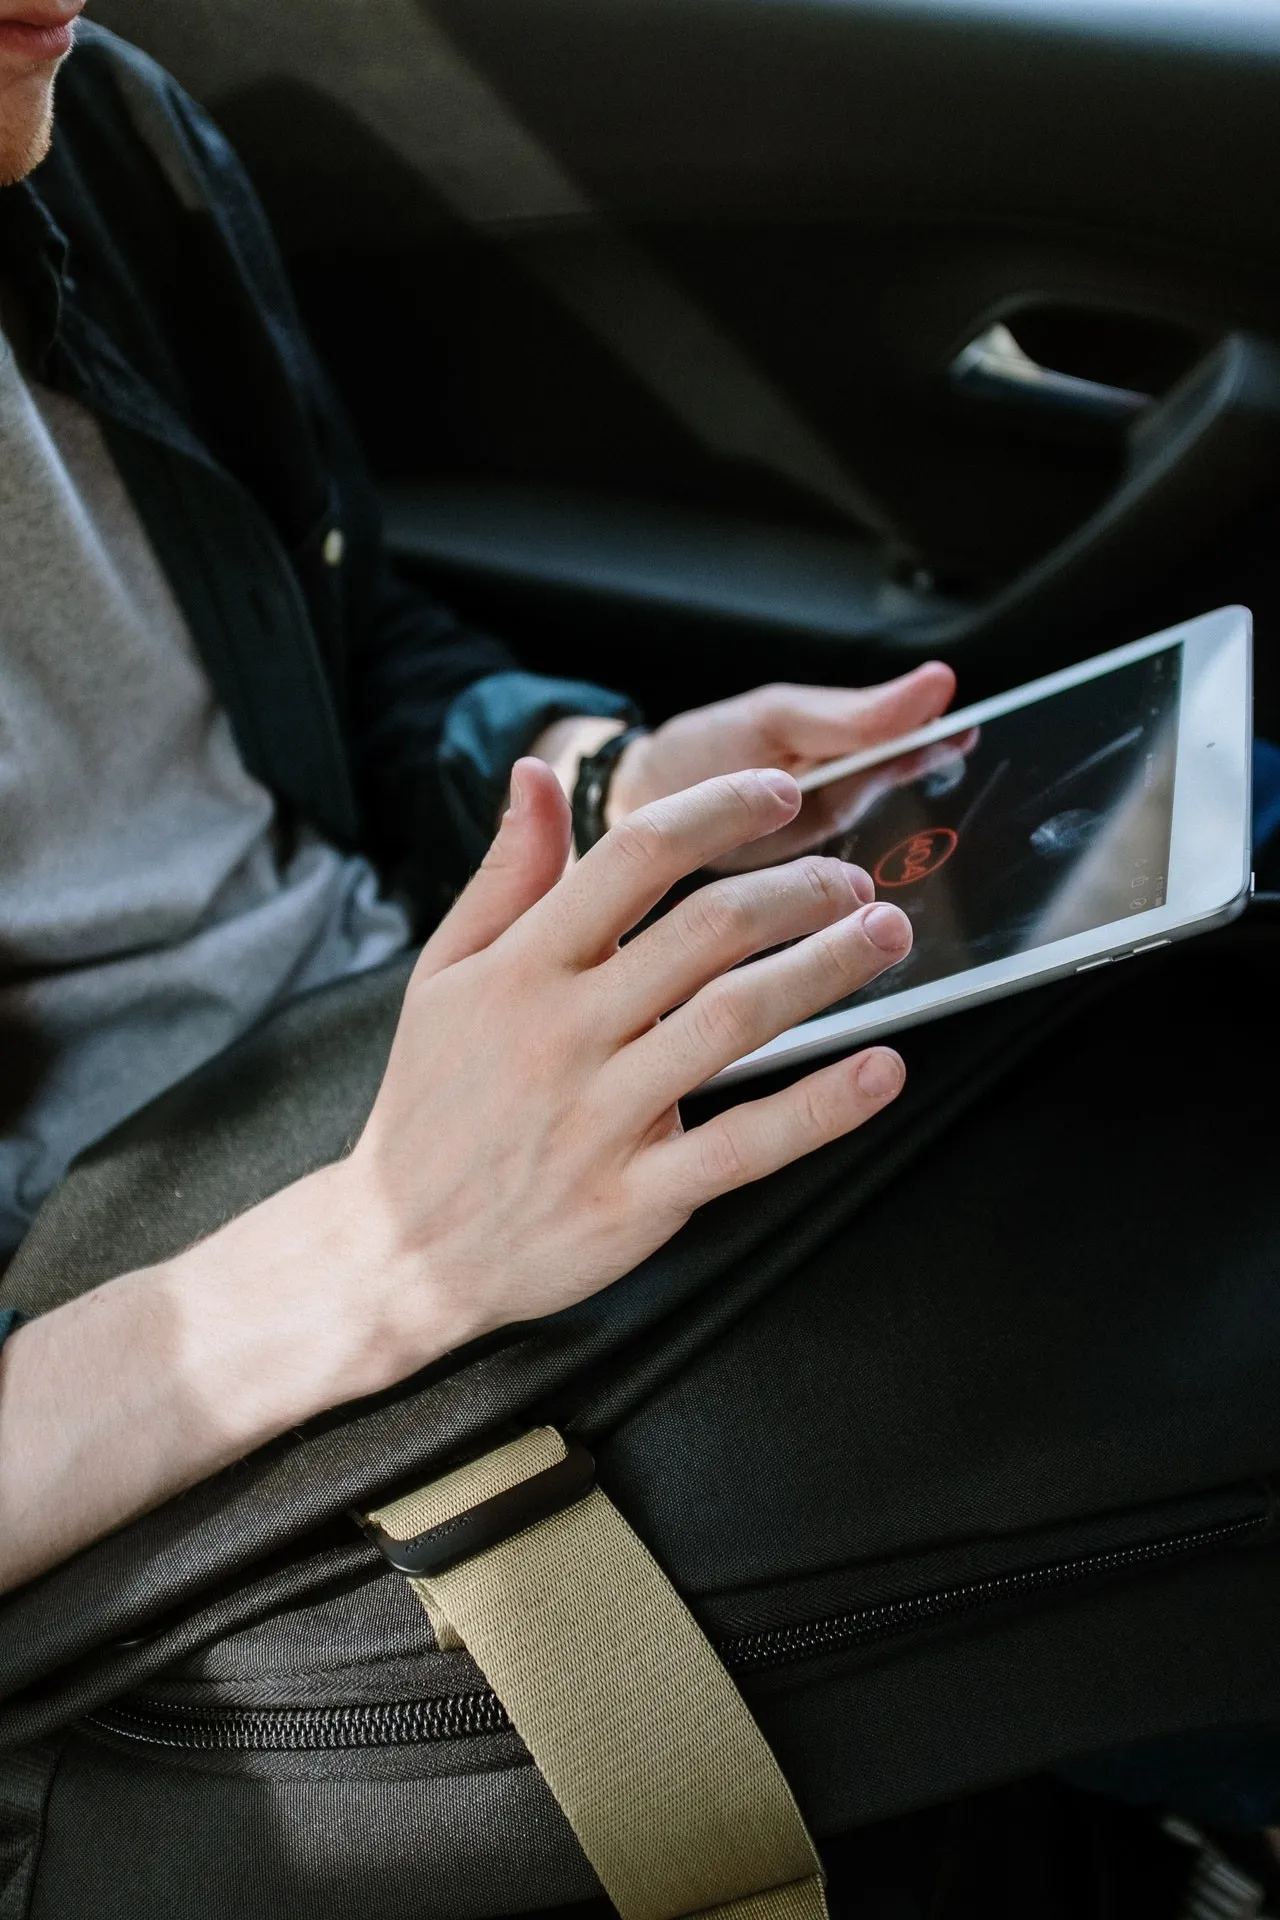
(492, 1521)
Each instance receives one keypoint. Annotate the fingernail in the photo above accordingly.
(887, 927)
(880, 1075)
(861, 882)
(780, 783)
(517, 790)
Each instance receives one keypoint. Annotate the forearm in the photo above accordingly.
(567, 743)
(115, 1402)
(525, 1150)
(119, 1400)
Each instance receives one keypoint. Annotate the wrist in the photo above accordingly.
(302, 1304)
(627, 787)
(567, 743)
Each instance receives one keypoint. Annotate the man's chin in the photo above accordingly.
(26, 128)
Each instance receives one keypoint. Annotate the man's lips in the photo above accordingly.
(41, 33)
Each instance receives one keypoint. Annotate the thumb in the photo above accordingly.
(910, 701)
(819, 723)
(527, 857)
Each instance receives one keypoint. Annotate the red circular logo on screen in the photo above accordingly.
(916, 858)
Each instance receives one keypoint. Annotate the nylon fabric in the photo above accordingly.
(25, 1781)
(799, 1901)
(466, 1487)
(130, 1840)
(1016, 1380)
(648, 1747)
(453, 1494)
(282, 1102)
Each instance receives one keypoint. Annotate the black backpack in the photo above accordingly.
(955, 1441)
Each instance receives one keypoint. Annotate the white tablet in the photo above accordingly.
(1094, 815)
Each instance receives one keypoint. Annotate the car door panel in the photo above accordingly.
(695, 275)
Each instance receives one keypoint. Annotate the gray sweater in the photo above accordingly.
(152, 906)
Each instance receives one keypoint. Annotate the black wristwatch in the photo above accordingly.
(591, 789)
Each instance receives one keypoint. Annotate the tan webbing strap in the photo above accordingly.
(644, 1740)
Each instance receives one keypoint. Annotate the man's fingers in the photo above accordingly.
(821, 723)
(719, 926)
(742, 1010)
(831, 811)
(750, 1141)
(526, 859)
(911, 701)
(839, 806)
(642, 856)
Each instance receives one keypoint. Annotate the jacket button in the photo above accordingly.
(334, 547)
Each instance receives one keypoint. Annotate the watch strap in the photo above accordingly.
(591, 788)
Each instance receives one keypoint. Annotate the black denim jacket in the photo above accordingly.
(150, 289)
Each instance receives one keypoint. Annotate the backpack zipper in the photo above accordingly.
(458, 1716)
(451, 1716)
(777, 1646)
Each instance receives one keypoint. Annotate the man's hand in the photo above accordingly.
(792, 727)
(525, 1149)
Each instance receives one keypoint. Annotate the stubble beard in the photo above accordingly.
(26, 126)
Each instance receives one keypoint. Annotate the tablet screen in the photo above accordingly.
(1056, 820)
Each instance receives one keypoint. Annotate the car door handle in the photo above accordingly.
(995, 369)
(1194, 461)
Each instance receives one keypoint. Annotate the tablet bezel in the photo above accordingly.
(1209, 849)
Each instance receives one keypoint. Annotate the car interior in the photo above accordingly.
(697, 343)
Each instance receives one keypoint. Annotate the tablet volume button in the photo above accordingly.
(1090, 965)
